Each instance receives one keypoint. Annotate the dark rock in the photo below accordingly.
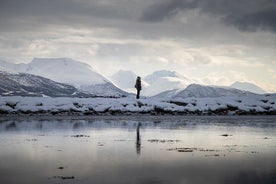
(80, 136)
(232, 108)
(77, 105)
(39, 104)
(11, 105)
(225, 135)
(265, 101)
(179, 103)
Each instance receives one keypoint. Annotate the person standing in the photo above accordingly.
(138, 87)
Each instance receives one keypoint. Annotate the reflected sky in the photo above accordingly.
(133, 150)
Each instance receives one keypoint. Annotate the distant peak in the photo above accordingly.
(126, 72)
(165, 73)
(54, 60)
(194, 86)
(64, 61)
(246, 86)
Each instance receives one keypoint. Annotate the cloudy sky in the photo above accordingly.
(214, 41)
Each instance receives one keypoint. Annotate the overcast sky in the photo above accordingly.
(214, 41)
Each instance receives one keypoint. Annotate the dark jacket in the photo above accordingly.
(138, 84)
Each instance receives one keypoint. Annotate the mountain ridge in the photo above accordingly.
(71, 72)
(86, 79)
(246, 86)
(201, 91)
(24, 84)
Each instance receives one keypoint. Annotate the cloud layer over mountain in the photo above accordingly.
(214, 41)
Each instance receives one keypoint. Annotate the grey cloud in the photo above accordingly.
(265, 20)
(166, 9)
(248, 15)
(57, 9)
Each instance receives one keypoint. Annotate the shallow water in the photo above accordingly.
(139, 150)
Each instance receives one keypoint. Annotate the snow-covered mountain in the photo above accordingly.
(200, 91)
(124, 79)
(23, 84)
(248, 87)
(68, 71)
(11, 67)
(164, 80)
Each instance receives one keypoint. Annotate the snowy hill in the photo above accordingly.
(164, 73)
(155, 83)
(248, 87)
(124, 79)
(200, 91)
(10, 67)
(22, 84)
(68, 71)
(164, 80)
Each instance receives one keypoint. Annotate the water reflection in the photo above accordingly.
(10, 126)
(265, 123)
(138, 139)
(171, 150)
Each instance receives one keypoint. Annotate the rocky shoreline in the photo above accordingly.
(155, 111)
(263, 105)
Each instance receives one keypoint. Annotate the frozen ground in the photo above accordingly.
(235, 105)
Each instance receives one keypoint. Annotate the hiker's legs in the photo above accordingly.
(138, 94)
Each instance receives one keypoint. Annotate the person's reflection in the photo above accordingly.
(138, 139)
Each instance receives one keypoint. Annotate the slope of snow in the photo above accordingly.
(163, 84)
(124, 79)
(68, 71)
(200, 91)
(30, 85)
(12, 68)
(248, 87)
(164, 80)
(164, 73)
(167, 94)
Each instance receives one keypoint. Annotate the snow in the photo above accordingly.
(152, 84)
(248, 87)
(67, 71)
(164, 80)
(12, 68)
(199, 91)
(62, 70)
(225, 105)
(164, 73)
(24, 84)
(124, 79)
(86, 79)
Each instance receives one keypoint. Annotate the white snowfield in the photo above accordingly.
(230, 105)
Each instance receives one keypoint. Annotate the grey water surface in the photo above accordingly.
(139, 149)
